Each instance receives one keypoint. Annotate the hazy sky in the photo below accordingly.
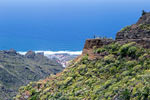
(63, 24)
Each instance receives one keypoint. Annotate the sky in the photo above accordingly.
(59, 25)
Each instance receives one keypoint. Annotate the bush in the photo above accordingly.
(125, 94)
(127, 28)
(124, 49)
(144, 26)
(137, 68)
(68, 80)
(85, 59)
(109, 59)
(131, 64)
(132, 51)
(114, 48)
(113, 69)
(100, 50)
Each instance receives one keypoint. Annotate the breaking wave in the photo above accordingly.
(55, 52)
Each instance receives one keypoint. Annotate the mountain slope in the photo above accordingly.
(17, 70)
(139, 32)
(107, 70)
(121, 74)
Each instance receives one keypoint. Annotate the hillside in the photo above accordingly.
(121, 74)
(107, 70)
(17, 70)
(139, 32)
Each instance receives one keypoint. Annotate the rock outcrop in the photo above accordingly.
(91, 44)
(145, 19)
(139, 32)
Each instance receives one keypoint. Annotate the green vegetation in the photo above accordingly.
(17, 70)
(122, 74)
(127, 28)
(144, 26)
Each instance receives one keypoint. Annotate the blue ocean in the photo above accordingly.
(60, 25)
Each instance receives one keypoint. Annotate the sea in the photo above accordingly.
(63, 25)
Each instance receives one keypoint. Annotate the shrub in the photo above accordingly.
(124, 49)
(115, 47)
(131, 64)
(132, 51)
(125, 94)
(109, 59)
(85, 59)
(68, 80)
(127, 28)
(144, 26)
(137, 67)
(100, 50)
(113, 69)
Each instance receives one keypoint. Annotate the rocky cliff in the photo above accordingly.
(139, 32)
(91, 44)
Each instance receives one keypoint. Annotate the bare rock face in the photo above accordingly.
(134, 32)
(139, 32)
(145, 19)
(90, 44)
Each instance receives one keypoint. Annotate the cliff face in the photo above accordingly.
(139, 32)
(144, 19)
(91, 44)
